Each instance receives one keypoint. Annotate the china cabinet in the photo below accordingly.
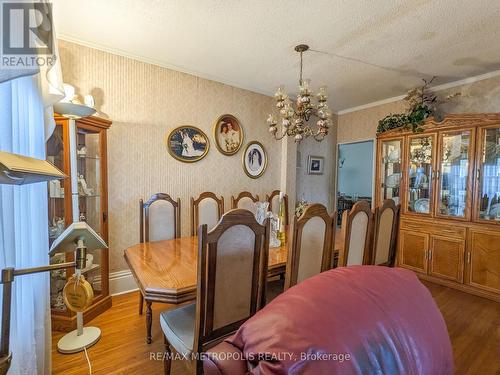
(78, 147)
(447, 180)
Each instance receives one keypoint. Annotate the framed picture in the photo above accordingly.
(228, 134)
(187, 144)
(254, 160)
(315, 164)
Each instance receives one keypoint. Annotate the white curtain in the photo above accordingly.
(24, 227)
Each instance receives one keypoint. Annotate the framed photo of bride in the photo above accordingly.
(187, 144)
(228, 134)
(254, 159)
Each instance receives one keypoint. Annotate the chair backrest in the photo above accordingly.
(168, 214)
(232, 275)
(244, 200)
(312, 244)
(357, 227)
(206, 209)
(385, 233)
(273, 200)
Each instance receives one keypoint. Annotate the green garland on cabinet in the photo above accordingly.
(420, 106)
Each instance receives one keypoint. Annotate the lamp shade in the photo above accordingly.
(68, 239)
(21, 170)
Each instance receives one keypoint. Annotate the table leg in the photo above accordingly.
(141, 303)
(149, 321)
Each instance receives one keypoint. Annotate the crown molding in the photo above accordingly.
(444, 86)
(147, 60)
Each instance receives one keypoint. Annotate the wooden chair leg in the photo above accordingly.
(167, 357)
(149, 321)
(141, 303)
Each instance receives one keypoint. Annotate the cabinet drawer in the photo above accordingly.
(435, 228)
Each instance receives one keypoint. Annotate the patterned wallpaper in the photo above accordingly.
(480, 96)
(145, 102)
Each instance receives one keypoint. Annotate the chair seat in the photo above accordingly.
(178, 326)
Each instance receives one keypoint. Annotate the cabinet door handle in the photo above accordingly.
(479, 174)
(468, 257)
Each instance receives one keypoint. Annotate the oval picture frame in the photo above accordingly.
(254, 159)
(187, 144)
(231, 145)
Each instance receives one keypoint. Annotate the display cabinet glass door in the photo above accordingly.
(56, 191)
(89, 180)
(488, 175)
(391, 170)
(453, 174)
(420, 174)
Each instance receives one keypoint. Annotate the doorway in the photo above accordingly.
(355, 168)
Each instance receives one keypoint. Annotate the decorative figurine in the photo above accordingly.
(82, 152)
(83, 189)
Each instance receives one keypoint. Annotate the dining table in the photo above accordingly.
(166, 271)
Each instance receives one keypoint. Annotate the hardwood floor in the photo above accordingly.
(473, 324)
(474, 327)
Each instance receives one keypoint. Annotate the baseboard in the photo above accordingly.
(120, 282)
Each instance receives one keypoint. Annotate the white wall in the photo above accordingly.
(356, 174)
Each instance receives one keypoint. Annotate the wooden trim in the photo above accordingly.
(379, 211)
(145, 216)
(269, 199)
(194, 209)
(293, 260)
(243, 194)
(451, 121)
(347, 219)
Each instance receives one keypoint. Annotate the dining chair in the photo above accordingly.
(273, 200)
(244, 200)
(311, 250)
(232, 274)
(206, 209)
(160, 206)
(385, 233)
(356, 228)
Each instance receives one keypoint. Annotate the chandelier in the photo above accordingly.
(295, 121)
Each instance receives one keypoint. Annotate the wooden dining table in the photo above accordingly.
(166, 271)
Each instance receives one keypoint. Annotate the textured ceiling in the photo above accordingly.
(249, 44)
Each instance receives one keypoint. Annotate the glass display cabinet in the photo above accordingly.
(391, 169)
(453, 174)
(488, 176)
(78, 147)
(420, 174)
(449, 229)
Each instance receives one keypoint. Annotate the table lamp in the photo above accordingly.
(78, 237)
(21, 170)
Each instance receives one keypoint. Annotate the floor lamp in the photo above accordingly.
(21, 170)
